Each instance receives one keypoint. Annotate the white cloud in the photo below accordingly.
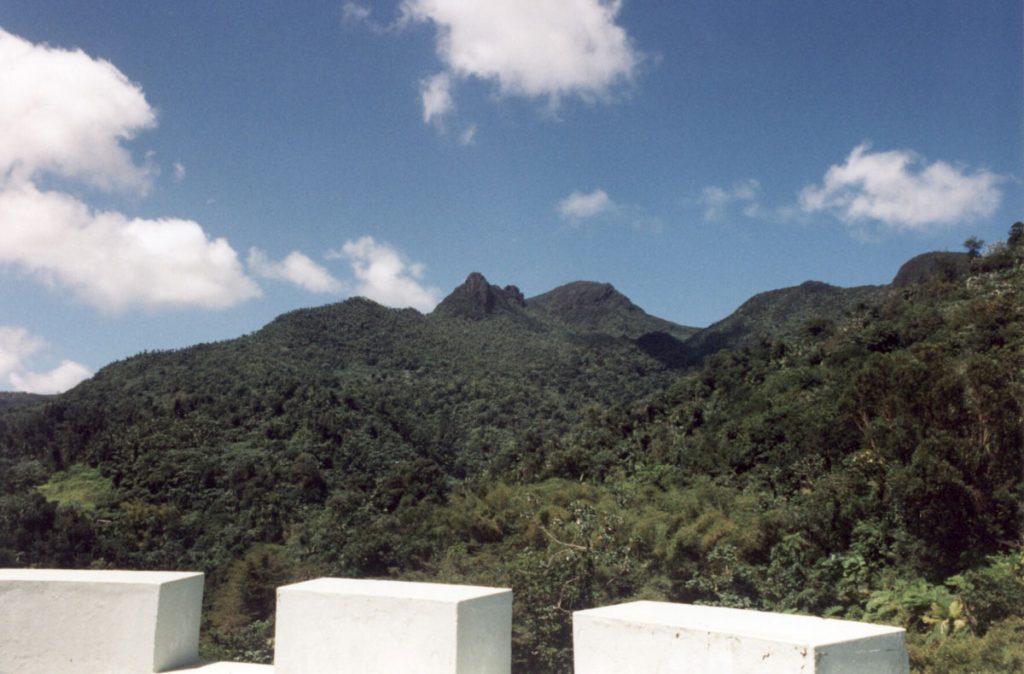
(437, 98)
(385, 276)
(179, 171)
(579, 206)
(884, 187)
(295, 268)
(67, 113)
(16, 346)
(113, 262)
(532, 48)
(718, 201)
(353, 12)
(66, 375)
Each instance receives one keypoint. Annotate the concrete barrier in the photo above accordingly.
(140, 622)
(648, 637)
(334, 625)
(98, 622)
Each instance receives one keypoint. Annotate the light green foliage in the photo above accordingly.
(79, 486)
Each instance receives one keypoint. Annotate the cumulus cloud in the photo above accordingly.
(385, 276)
(66, 375)
(531, 48)
(899, 190)
(114, 262)
(67, 113)
(719, 201)
(179, 171)
(579, 206)
(295, 268)
(16, 346)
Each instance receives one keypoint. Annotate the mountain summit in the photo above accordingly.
(587, 306)
(476, 298)
(578, 307)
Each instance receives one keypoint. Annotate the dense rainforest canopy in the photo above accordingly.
(854, 453)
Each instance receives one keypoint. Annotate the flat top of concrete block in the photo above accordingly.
(397, 589)
(781, 627)
(226, 668)
(94, 576)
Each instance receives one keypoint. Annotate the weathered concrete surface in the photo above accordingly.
(334, 625)
(98, 622)
(661, 638)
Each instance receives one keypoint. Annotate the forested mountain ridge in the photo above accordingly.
(600, 308)
(10, 400)
(780, 314)
(861, 459)
(437, 386)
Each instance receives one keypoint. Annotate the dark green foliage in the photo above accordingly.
(855, 453)
(664, 348)
(1016, 237)
(10, 401)
(973, 245)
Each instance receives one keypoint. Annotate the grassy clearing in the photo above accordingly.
(78, 486)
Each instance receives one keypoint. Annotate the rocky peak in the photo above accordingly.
(515, 296)
(476, 298)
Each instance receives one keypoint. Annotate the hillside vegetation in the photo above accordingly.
(846, 452)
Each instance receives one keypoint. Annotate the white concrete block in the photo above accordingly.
(647, 637)
(98, 622)
(337, 625)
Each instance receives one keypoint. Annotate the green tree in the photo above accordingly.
(973, 245)
(1016, 234)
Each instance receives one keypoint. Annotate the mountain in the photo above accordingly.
(465, 387)
(852, 451)
(476, 378)
(585, 306)
(581, 307)
(476, 299)
(780, 314)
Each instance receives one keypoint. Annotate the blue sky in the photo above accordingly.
(180, 172)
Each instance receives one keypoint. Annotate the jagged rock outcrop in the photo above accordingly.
(476, 299)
